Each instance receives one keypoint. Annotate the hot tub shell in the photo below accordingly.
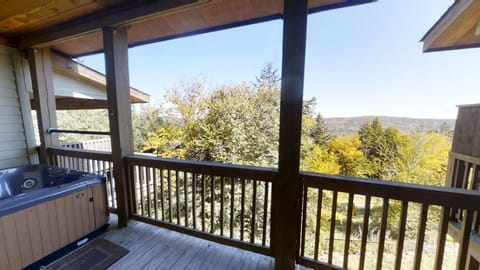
(60, 211)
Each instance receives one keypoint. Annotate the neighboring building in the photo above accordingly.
(75, 85)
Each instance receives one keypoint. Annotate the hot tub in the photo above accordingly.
(46, 211)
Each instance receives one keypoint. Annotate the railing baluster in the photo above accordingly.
(222, 198)
(194, 199)
(149, 201)
(212, 204)
(401, 235)
(265, 214)
(442, 236)
(304, 219)
(111, 183)
(89, 166)
(170, 208)
(254, 212)
(363, 246)
(185, 190)
(203, 202)
(162, 195)
(332, 227)
(383, 231)
(466, 175)
(140, 187)
(155, 191)
(318, 223)
(67, 162)
(420, 237)
(242, 211)
(348, 230)
(459, 176)
(232, 206)
(466, 231)
(177, 195)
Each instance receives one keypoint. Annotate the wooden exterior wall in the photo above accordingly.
(466, 140)
(13, 138)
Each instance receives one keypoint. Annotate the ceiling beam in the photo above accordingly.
(120, 15)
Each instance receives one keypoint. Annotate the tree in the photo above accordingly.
(90, 120)
(320, 133)
(350, 158)
(146, 120)
(446, 130)
(268, 78)
(166, 142)
(233, 124)
(321, 160)
(424, 159)
(380, 147)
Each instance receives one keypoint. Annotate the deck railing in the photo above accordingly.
(225, 203)
(97, 162)
(346, 222)
(354, 223)
(464, 173)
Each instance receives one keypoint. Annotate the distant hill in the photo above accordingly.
(349, 125)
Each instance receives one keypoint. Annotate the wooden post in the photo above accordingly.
(44, 98)
(287, 185)
(115, 45)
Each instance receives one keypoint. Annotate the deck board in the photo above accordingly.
(152, 247)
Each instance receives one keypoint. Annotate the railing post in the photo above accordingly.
(464, 241)
(115, 44)
(44, 98)
(286, 187)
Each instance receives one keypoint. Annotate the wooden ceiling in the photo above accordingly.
(458, 28)
(73, 27)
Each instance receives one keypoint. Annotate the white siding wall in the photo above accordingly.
(70, 86)
(67, 85)
(13, 145)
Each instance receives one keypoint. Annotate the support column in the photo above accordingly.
(287, 185)
(115, 45)
(44, 98)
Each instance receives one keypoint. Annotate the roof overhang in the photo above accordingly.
(148, 21)
(69, 98)
(458, 28)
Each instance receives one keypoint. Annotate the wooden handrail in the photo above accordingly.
(203, 167)
(471, 159)
(80, 153)
(432, 195)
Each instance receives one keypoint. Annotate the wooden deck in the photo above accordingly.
(152, 247)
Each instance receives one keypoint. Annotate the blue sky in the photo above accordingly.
(364, 60)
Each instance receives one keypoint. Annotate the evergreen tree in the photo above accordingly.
(380, 147)
(268, 78)
(320, 133)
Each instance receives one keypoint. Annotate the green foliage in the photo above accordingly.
(424, 159)
(232, 124)
(381, 148)
(146, 119)
(320, 159)
(350, 158)
(86, 120)
(320, 133)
